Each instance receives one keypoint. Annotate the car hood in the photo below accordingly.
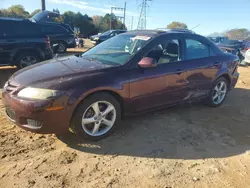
(56, 69)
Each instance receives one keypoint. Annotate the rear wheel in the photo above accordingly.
(26, 59)
(96, 117)
(218, 93)
(61, 47)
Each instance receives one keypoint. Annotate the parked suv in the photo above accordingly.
(61, 34)
(96, 39)
(22, 43)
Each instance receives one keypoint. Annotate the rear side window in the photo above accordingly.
(53, 29)
(25, 29)
(196, 50)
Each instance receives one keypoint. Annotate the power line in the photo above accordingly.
(143, 15)
(118, 17)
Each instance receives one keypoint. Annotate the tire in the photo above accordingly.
(30, 58)
(62, 47)
(212, 100)
(85, 112)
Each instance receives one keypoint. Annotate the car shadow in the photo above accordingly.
(190, 131)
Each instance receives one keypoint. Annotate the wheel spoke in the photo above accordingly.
(215, 96)
(108, 110)
(96, 128)
(216, 88)
(221, 85)
(96, 109)
(88, 120)
(107, 122)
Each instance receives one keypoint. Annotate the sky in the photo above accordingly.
(210, 15)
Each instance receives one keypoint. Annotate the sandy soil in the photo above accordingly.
(184, 146)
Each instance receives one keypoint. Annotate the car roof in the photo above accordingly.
(11, 19)
(157, 32)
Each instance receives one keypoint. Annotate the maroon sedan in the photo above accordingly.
(130, 73)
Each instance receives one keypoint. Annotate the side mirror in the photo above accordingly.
(147, 62)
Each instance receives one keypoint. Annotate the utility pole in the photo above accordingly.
(43, 5)
(132, 22)
(143, 15)
(124, 15)
(119, 17)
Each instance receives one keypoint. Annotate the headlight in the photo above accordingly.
(36, 93)
(96, 38)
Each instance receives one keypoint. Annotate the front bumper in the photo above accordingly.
(32, 115)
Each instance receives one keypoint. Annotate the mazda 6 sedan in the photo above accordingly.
(130, 73)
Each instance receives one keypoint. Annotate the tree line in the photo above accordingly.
(87, 25)
(98, 24)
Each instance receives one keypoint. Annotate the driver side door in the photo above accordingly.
(164, 84)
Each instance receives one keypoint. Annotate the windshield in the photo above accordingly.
(39, 16)
(117, 50)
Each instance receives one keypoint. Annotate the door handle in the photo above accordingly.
(179, 71)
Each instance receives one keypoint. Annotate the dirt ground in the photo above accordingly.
(184, 146)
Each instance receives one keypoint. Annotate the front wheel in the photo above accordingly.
(96, 117)
(218, 93)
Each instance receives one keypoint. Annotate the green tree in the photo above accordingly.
(177, 25)
(18, 11)
(105, 23)
(238, 34)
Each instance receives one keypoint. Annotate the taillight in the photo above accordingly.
(47, 41)
(246, 48)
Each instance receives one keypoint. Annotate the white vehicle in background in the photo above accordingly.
(247, 57)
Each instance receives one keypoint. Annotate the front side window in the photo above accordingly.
(196, 50)
(167, 51)
(117, 50)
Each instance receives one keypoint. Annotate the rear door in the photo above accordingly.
(54, 31)
(9, 41)
(202, 66)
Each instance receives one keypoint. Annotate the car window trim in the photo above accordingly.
(156, 41)
(199, 40)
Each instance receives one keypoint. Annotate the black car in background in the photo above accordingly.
(232, 46)
(22, 43)
(59, 33)
(96, 39)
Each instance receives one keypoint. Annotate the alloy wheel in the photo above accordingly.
(61, 48)
(99, 118)
(219, 92)
(27, 61)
